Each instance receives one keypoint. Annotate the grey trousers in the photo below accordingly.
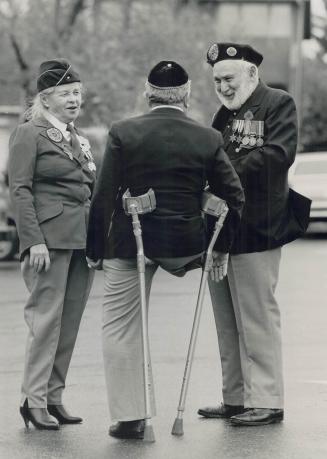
(122, 334)
(248, 325)
(53, 313)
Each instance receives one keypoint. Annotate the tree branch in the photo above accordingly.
(77, 8)
(18, 53)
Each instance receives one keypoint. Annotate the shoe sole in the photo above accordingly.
(212, 416)
(215, 416)
(130, 437)
(253, 423)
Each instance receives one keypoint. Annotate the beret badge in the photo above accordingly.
(213, 52)
(231, 51)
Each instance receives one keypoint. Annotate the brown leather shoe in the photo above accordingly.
(221, 411)
(258, 417)
(60, 413)
(128, 429)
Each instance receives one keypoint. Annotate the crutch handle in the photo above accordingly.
(213, 205)
(142, 204)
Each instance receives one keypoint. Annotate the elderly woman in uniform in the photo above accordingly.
(51, 175)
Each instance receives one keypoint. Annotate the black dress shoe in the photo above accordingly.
(257, 417)
(221, 411)
(128, 429)
(59, 412)
(39, 417)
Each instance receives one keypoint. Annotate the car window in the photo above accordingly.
(311, 167)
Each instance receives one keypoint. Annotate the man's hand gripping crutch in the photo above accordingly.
(134, 206)
(216, 264)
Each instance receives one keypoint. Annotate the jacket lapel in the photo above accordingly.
(63, 145)
(254, 101)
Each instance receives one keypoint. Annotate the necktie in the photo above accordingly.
(74, 141)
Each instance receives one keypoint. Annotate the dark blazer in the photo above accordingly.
(50, 192)
(175, 156)
(273, 215)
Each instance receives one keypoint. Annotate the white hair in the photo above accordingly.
(38, 109)
(248, 67)
(168, 96)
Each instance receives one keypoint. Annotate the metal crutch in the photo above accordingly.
(216, 207)
(134, 206)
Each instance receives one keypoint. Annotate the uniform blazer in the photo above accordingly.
(176, 157)
(50, 191)
(273, 215)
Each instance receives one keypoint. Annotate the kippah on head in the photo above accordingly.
(54, 73)
(226, 51)
(168, 74)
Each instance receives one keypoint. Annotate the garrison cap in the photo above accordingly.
(54, 73)
(225, 51)
(168, 74)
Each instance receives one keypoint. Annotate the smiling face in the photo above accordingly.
(234, 82)
(64, 102)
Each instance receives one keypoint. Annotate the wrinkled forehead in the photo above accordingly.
(228, 67)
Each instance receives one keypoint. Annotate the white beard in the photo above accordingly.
(240, 97)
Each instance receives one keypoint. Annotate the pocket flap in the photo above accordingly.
(46, 213)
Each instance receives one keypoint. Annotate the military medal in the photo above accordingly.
(260, 133)
(247, 127)
(91, 165)
(252, 141)
(232, 138)
(67, 150)
(248, 115)
(54, 134)
(86, 149)
(240, 126)
(253, 133)
(239, 137)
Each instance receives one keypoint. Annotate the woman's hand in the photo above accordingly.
(39, 258)
(219, 266)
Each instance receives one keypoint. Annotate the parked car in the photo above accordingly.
(308, 176)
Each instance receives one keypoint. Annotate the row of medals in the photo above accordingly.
(247, 133)
(55, 135)
(87, 153)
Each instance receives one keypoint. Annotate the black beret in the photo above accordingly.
(168, 74)
(223, 51)
(54, 73)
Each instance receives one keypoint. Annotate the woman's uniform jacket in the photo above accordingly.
(273, 214)
(50, 191)
(176, 157)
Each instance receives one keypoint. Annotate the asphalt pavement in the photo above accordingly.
(302, 293)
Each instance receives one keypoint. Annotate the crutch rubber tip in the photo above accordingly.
(178, 427)
(149, 434)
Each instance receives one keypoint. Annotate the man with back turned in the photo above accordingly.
(169, 152)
